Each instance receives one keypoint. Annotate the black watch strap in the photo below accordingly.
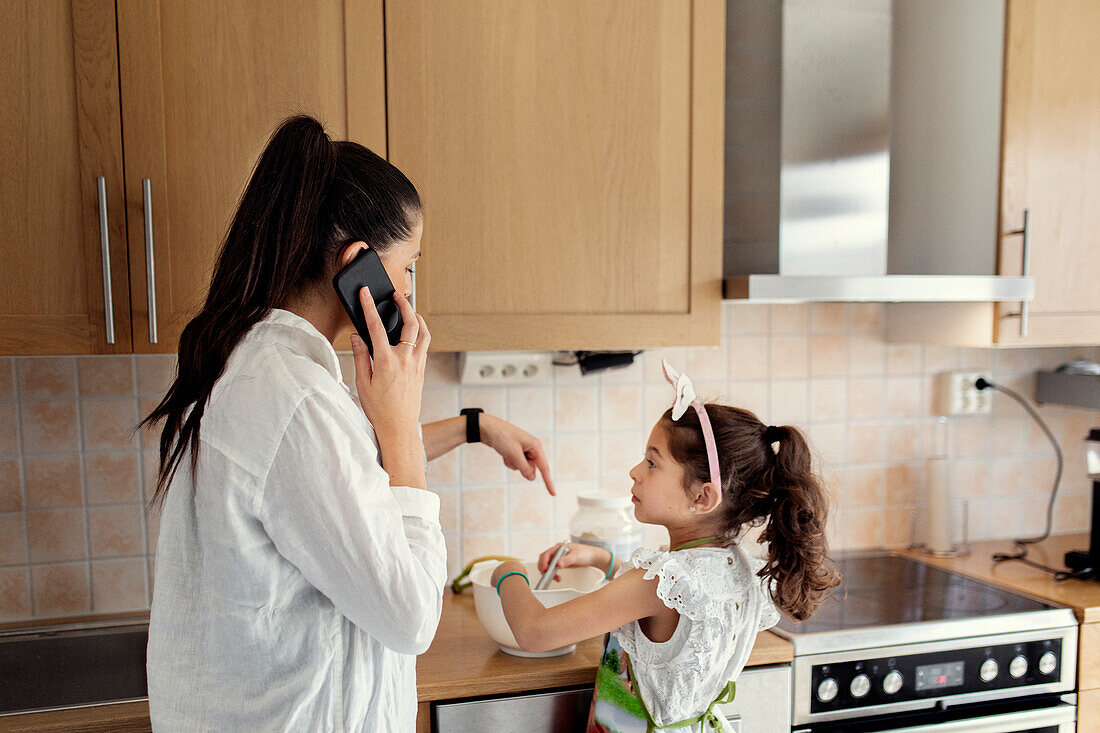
(473, 424)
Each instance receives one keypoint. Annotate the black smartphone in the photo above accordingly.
(366, 269)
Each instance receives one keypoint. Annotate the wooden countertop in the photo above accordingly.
(1083, 596)
(464, 662)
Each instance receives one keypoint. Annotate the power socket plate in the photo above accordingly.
(957, 395)
(504, 367)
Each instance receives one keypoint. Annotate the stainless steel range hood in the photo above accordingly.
(853, 124)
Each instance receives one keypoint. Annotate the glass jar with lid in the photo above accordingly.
(606, 520)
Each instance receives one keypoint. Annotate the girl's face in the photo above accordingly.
(658, 493)
(399, 260)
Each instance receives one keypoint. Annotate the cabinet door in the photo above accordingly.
(1051, 167)
(60, 130)
(569, 156)
(205, 82)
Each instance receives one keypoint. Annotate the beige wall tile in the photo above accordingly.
(439, 403)
(862, 486)
(789, 357)
(865, 444)
(621, 407)
(152, 527)
(905, 482)
(481, 545)
(7, 378)
(442, 369)
(576, 456)
(860, 529)
(620, 451)
(15, 594)
(576, 408)
(53, 481)
(13, 538)
(115, 531)
(828, 441)
(112, 478)
(1006, 476)
(57, 535)
(748, 358)
(790, 403)
(530, 408)
(745, 318)
(903, 359)
(103, 376)
(9, 428)
(449, 514)
(970, 479)
(905, 397)
(904, 441)
(482, 465)
(868, 318)
(11, 486)
(528, 544)
(707, 363)
(828, 356)
(866, 356)
(491, 399)
(109, 423)
(529, 508)
(49, 426)
(866, 398)
(155, 373)
(828, 400)
(789, 318)
(61, 590)
(897, 527)
(443, 471)
(46, 378)
(118, 585)
(148, 437)
(829, 317)
(484, 509)
(150, 467)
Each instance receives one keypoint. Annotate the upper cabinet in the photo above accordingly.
(1050, 180)
(568, 154)
(204, 83)
(63, 284)
(200, 84)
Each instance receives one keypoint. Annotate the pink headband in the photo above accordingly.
(685, 397)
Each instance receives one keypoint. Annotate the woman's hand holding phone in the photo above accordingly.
(390, 387)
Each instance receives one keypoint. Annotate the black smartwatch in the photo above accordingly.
(473, 424)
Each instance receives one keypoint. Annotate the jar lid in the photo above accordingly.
(605, 499)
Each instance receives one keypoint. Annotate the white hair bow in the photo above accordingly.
(685, 398)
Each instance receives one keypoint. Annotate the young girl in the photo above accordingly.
(687, 617)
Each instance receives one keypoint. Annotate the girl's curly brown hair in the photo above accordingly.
(776, 487)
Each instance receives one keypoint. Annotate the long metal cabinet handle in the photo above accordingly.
(1025, 265)
(150, 273)
(105, 255)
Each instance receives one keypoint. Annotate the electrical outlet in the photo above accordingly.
(504, 367)
(957, 395)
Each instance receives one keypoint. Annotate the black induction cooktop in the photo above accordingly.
(886, 590)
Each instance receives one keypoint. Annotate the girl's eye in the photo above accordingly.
(651, 463)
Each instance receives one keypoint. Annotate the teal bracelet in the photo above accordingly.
(610, 566)
(514, 572)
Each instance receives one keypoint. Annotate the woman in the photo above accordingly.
(300, 564)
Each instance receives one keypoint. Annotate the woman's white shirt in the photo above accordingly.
(294, 586)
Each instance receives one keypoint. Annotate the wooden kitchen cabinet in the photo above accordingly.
(201, 84)
(60, 130)
(1049, 167)
(568, 154)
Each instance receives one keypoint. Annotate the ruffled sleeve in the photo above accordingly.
(692, 588)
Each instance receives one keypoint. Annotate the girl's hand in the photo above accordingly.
(577, 555)
(508, 566)
(391, 384)
(520, 450)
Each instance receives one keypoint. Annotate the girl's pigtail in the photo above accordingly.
(798, 564)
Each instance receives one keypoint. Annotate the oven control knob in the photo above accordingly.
(860, 686)
(1047, 662)
(892, 682)
(988, 671)
(827, 689)
(1018, 666)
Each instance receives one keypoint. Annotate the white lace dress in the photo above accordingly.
(722, 606)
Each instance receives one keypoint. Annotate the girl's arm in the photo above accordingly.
(625, 599)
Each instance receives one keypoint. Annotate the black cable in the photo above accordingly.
(1022, 544)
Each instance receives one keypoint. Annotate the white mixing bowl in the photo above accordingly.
(575, 582)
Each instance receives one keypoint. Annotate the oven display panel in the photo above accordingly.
(939, 676)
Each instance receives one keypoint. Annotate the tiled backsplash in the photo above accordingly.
(75, 536)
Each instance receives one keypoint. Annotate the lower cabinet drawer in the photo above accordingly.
(556, 711)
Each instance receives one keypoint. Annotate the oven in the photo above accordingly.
(905, 647)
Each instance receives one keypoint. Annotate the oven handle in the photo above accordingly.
(1022, 720)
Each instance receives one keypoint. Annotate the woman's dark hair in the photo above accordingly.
(761, 485)
(307, 198)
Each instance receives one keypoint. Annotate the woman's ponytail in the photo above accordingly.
(798, 563)
(307, 197)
